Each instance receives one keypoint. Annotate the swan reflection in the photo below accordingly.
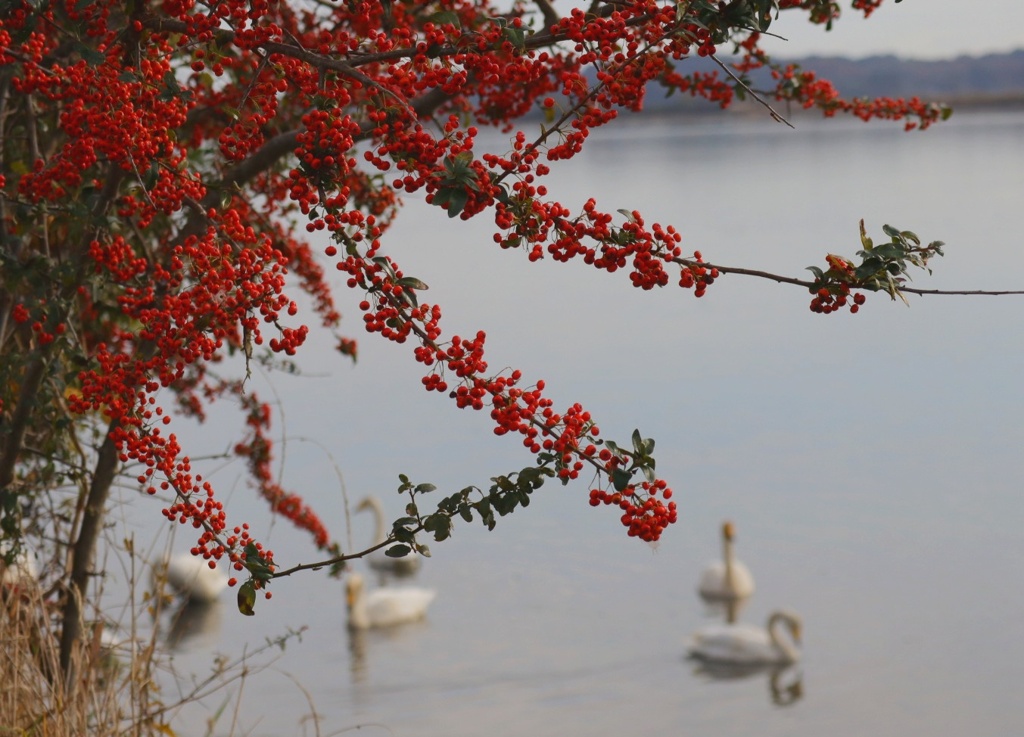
(194, 625)
(361, 642)
(786, 691)
(785, 682)
(357, 654)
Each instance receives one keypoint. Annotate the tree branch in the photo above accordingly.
(808, 284)
(19, 420)
(551, 18)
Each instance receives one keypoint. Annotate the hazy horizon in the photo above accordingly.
(912, 29)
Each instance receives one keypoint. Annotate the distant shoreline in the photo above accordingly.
(976, 102)
(981, 100)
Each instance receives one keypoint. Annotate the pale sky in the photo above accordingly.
(917, 29)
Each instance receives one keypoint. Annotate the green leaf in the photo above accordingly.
(411, 282)
(247, 598)
(457, 202)
(452, 198)
(446, 17)
(398, 551)
(621, 479)
(889, 251)
(891, 231)
(256, 565)
(91, 56)
(515, 36)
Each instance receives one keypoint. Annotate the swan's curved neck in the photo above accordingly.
(727, 556)
(378, 520)
(781, 644)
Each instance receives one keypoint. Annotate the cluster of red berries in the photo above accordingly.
(643, 514)
(710, 86)
(827, 300)
(695, 275)
(866, 6)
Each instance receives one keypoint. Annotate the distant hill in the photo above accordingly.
(964, 76)
(992, 79)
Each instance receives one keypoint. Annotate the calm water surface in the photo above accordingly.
(871, 463)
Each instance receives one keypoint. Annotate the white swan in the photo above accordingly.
(22, 570)
(744, 644)
(727, 578)
(191, 578)
(404, 566)
(384, 607)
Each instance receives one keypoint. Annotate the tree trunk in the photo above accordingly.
(84, 550)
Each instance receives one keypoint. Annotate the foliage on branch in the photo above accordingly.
(882, 268)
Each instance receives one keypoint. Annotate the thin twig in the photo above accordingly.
(809, 284)
(775, 116)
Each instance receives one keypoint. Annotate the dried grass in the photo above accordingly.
(116, 689)
(110, 694)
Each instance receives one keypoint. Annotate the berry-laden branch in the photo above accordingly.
(882, 268)
(567, 441)
(162, 162)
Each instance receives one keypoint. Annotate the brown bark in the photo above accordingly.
(84, 551)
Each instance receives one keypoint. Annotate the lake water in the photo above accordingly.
(872, 463)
